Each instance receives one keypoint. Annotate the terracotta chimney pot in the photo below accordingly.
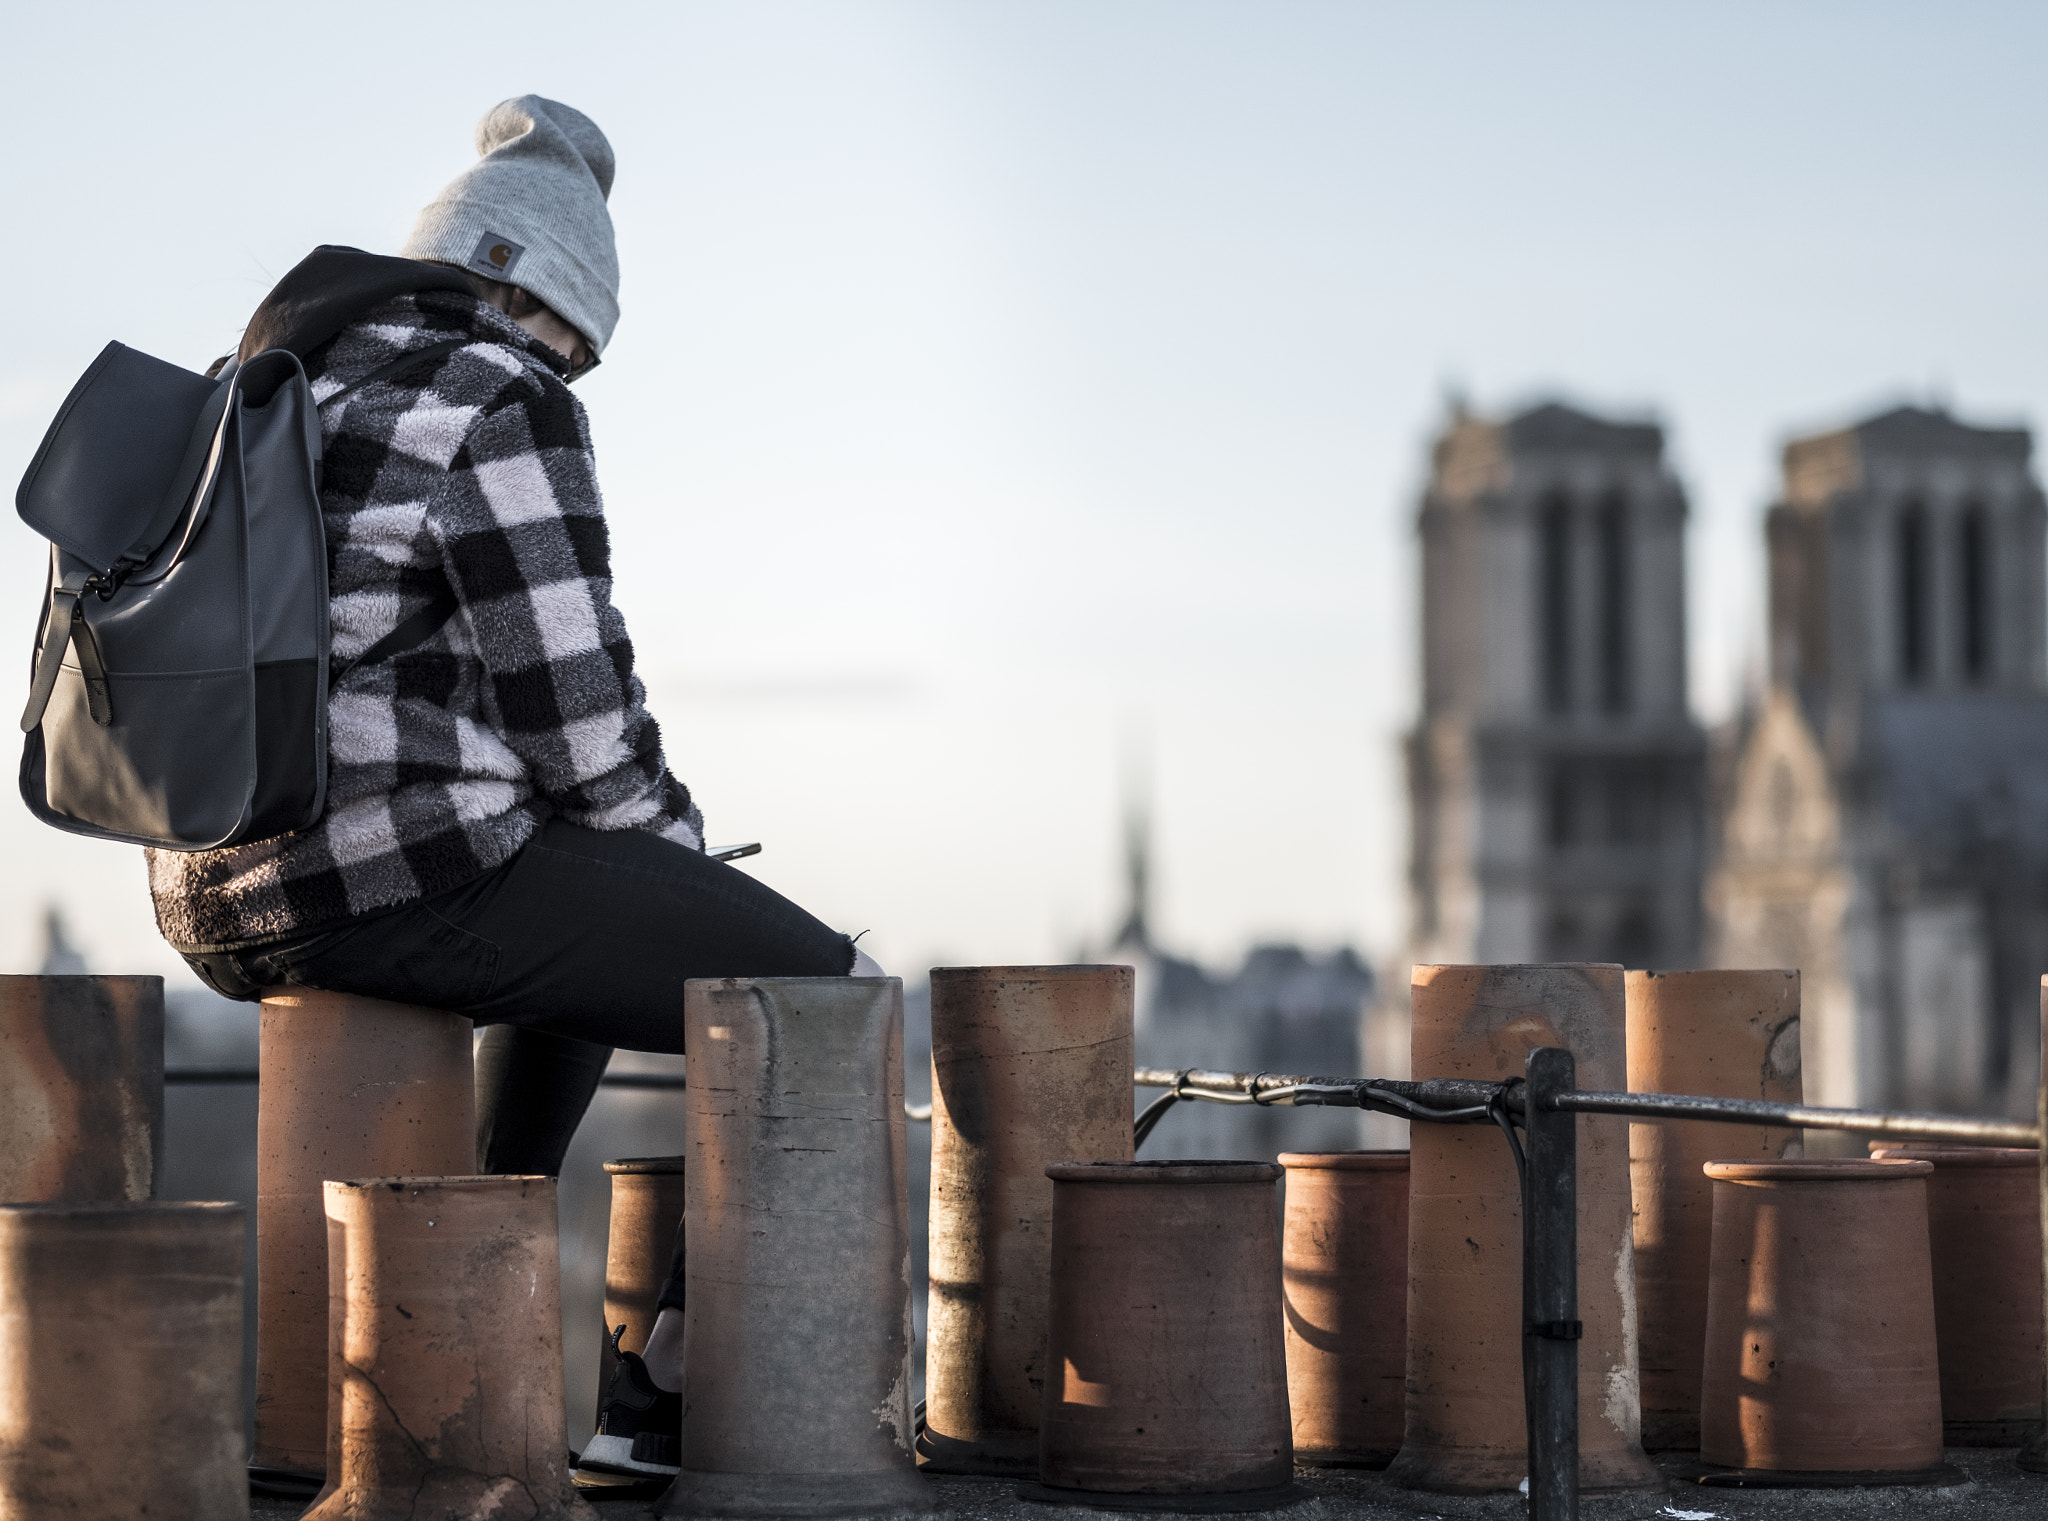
(1168, 1374)
(1465, 1431)
(1984, 1239)
(352, 1088)
(1344, 1281)
(1820, 1346)
(2033, 1457)
(81, 1088)
(445, 1352)
(1723, 1035)
(1030, 1065)
(121, 1361)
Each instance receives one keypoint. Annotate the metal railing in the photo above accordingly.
(1461, 1100)
(1544, 1103)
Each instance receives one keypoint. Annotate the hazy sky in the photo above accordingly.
(1014, 394)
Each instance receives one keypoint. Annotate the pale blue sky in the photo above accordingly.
(1005, 386)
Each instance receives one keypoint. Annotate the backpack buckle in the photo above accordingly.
(103, 584)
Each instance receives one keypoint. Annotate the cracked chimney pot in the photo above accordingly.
(1166, 1374)
(1725, 1035)
(445, 1352)
(796, 1323)
(1344, 1279)
(1820, 1347)
(81, 1088)
(1465, 1431)
(1984, 1242)
(121, 1353)
(1030, 1065)
(352, 1088)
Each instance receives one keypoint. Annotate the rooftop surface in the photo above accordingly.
(1994, 1490)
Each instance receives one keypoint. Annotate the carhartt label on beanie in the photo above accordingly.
(531, 212)
(496, 257)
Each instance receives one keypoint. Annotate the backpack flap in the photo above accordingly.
(118, 465)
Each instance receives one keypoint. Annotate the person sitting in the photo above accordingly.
(502, 836)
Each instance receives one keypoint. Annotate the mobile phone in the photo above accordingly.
(732, 852)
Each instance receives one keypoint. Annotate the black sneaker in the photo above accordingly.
(639, 1425)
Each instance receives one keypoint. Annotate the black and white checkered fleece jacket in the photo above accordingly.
(473, 472)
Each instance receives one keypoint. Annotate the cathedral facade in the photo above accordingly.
(1556, 776)
(1885, 827)
(1879, 818)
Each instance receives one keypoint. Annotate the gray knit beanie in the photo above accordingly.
(531, 212)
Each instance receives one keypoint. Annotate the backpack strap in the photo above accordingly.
(416, 630)
(401, 364)
(65, 615)
(64, 629)
(427, 621)
(194, 476)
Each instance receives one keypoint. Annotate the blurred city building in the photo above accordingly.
(1282, 1010)
(1886, 796)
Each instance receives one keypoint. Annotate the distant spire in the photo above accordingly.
(60, 957)
(1137, 930)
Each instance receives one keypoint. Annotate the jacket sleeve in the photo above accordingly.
(522, 535)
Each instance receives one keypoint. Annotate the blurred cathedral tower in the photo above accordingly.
(1886, 829)
(1556, 778)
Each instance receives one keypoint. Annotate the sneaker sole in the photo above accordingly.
(614, 1454)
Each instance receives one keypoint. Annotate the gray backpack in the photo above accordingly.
(179, 694)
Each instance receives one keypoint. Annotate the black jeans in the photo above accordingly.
(580, 943)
